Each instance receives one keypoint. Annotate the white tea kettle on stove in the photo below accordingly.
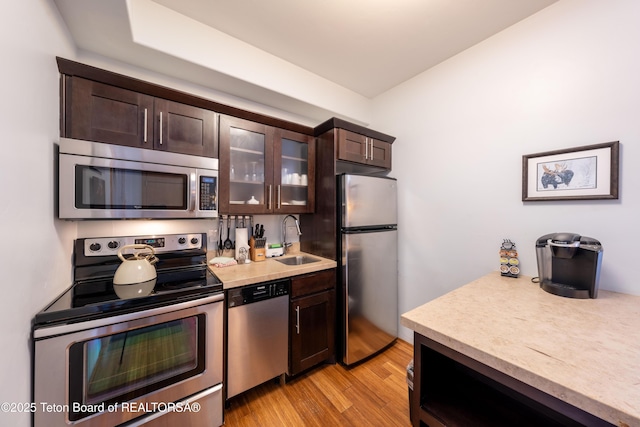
(136, 276)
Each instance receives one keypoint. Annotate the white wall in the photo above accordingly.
(565, 77)
(35, 253)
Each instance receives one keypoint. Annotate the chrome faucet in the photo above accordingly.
(284, 230)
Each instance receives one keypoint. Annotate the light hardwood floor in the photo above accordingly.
(373, 393)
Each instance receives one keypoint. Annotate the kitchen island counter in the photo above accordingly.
(585, 352)
(269, 269)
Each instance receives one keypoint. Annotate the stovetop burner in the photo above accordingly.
(182, 275)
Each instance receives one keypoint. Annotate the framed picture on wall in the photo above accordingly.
(582, 173)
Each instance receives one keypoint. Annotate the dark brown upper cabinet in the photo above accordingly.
(357, 145)
(265, 170)
(100, 105)
(358, 148)
(104, 113)
(294, 166)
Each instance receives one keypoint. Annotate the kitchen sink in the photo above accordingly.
(298, 260)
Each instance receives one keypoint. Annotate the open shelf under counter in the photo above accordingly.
(502, 351)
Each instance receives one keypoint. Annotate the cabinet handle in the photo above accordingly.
(63, 111)
(278, 199)
(366, 148)
(269, 199)
(160, 127)
(298, 319)
(145, 126)
(371, 148)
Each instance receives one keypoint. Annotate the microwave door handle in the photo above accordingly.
(192, 192)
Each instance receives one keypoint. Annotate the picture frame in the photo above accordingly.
(588, 172)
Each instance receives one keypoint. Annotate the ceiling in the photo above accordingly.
(310, 60)
(368, 46)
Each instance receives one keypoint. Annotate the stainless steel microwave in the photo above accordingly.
(106, 181)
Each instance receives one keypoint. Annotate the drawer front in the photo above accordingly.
(312, 283)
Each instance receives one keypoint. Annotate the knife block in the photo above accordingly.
(257, 249)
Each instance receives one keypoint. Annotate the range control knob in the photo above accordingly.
(182, 240)
(95, 247)
(194, 241)
(113, 244)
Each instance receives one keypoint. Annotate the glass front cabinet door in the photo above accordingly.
(294, 172)
(264, 170)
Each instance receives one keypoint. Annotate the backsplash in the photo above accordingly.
(272, 225)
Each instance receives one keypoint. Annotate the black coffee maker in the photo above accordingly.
(569, 264)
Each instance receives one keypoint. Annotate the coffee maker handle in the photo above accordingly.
(565, 245)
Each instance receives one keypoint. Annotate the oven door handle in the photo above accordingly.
(45, 332)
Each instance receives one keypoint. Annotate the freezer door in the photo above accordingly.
(370, 292)
(368, 201)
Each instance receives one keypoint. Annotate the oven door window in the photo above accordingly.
(118, 188)
(123, 366)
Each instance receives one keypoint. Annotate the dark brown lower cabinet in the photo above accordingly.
(312, 314)
(451, 389)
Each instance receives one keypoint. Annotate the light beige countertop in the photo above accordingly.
(270, 269)
(583, 351)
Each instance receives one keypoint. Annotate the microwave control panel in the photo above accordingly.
(208, 189)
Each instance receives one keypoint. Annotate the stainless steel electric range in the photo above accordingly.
(151, 360)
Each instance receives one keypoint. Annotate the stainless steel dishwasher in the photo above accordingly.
(258, 331)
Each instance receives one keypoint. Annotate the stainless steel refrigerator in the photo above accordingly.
(368, 264)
